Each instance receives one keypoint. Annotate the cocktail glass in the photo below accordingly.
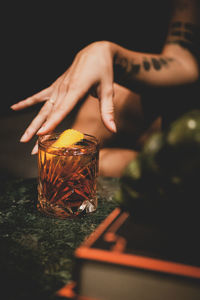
(67, 176)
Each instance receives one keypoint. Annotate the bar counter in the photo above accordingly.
(36, 251)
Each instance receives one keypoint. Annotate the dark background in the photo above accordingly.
(39, 40)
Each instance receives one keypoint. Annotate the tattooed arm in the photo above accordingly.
(98, 65)
(177, 64)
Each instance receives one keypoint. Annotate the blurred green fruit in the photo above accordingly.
(185, 130)
(163, 183)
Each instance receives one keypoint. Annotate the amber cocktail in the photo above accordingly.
(67, 176)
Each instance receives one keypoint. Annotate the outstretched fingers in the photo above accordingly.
(37, 122)
(60, 110)
(36, 98)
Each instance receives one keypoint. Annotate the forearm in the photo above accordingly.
(138, 70)
(176, 65)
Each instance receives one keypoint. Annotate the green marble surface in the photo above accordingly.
(36, 252)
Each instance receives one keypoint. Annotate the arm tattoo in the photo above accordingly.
(187, 35)
(146, 65)
(125, 70)
(156, 64)
(176, 25)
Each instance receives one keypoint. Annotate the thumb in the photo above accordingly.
(107, 108)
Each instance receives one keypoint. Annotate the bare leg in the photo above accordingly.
(133, 127)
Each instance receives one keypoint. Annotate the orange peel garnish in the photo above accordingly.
(67, 138)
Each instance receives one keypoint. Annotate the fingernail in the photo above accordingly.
(24, 137)
(113, 126)
(13, 106)
(42, 128)
(35, 150)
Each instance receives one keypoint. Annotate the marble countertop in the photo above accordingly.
(36, 251)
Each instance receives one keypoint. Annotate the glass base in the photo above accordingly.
(63, 212)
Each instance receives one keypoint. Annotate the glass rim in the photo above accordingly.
(57, 133)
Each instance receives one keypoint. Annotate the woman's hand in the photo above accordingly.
(92, 69)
